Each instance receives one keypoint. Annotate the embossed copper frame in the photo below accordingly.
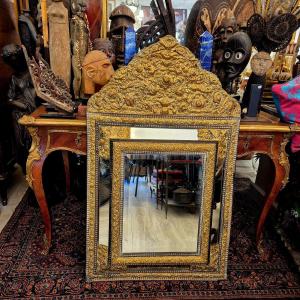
(162, 87)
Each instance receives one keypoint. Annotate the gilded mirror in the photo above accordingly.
(162, 138)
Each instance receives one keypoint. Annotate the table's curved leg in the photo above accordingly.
(34, 169)
(277, 185)
(37, 170)
(281, 165)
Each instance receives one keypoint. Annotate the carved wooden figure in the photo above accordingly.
(236, 56)
(96, 71)
(21, 98)
(121, 19)
(106, 46)
(80, 41)
(59, 41)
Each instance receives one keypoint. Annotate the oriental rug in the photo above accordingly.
(25, 273)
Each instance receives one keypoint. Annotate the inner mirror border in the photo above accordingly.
(116, 257)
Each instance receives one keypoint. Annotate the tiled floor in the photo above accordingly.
(18, 187)
(16, 190)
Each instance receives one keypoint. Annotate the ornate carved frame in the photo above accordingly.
(163, 87)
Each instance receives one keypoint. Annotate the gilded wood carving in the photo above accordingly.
(34, 153)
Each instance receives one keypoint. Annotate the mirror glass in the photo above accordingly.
(143, 13)
(162, 196)
(104, 189)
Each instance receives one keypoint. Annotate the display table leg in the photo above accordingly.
(282, 167)
(37, 181)
(280, 174)
(34, 177)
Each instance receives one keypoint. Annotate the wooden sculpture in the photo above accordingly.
(209, 15)
(80, 41)
(21, 98)
(271, 29)
(106, 46)
(48, 86)
(121, 19)
(164, 24)
(59, 41)
(96, 71)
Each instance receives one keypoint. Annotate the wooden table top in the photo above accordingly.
(264, 123)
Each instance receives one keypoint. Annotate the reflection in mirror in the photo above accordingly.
(161, 202)
(144, 14)
(216, 207)
(104, 203)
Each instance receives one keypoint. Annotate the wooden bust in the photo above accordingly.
(96, 71)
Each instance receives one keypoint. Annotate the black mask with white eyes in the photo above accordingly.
(236, 54)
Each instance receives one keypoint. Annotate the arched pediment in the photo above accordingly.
(164, 79)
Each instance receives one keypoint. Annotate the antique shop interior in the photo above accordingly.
(149, 149)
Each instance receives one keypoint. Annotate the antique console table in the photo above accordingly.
(266, 135)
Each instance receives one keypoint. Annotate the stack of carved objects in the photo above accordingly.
(64, 81)
(270, 27)
(231, 48)
(122, 18)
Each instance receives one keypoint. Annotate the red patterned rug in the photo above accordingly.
(25, 273)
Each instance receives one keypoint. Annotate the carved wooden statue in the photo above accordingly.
(21, 97)
(80, 40)
(27, 32)
(96, 71)
(59, 41)
(121, 19)
(227, 28)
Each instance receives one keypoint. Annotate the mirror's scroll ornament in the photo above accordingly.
(164, 78)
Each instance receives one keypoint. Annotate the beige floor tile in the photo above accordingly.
(16, 191)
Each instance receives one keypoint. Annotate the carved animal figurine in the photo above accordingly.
(59, 41)
(96, 71)
(21, 97)
(80, 41)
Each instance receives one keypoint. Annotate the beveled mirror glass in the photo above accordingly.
(162, 196)
(162, 139)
